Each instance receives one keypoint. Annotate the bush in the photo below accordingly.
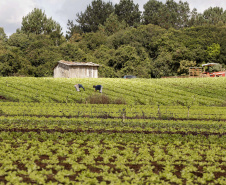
(98, 99)
(104, 99)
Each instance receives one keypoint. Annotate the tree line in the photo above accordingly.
(163, 40)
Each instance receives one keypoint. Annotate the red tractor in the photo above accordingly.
(207, 70)
(213, 70)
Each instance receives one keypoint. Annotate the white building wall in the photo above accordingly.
(61, 71)
(95, 72)
(65, 71)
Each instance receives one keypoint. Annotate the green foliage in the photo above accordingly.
(3, 36)
(162, 65)
(168, 15)
(105, 150)
(94, 15)
(10, 63)
(213, 51)
(184, 66)
(19, 40)
(102, 37)
(37, 22)
(112, 25)
(94, 40)
(151, 12)
(129, 12)
(214, 16)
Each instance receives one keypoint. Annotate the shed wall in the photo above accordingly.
(64, 71)
(61, 71)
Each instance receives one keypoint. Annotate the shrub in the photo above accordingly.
(98, 99)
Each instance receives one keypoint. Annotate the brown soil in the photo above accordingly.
(24, 130)
(120, 117)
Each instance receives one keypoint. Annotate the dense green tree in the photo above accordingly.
(162, 65)
(211, 16)
(151, 14)
(127, 60)
(7, 64)
(41, 51)
(148, 50)
(19, 40)
(13, 63)
(94, 15)
(195, 18)
(73, 29)
(72, 52)
(3, 36)
(93, 40)
(215, 15)
(184, 67)
(183, 11)
(174, 15)
(213, 52)
(221, 33)
(112, 25)
(129, 12)
(37, 22)
(168, 15)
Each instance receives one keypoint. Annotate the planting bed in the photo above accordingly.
(169, 131)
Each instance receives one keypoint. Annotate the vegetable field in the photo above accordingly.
(198, 91)
(163, 131)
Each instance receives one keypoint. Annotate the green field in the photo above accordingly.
(176, 91)
(138, 131)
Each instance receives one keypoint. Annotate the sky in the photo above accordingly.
(12, 11)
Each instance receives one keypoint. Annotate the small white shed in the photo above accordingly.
(66, 69)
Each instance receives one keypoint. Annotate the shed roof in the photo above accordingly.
(68, 63)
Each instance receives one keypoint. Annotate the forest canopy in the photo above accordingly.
(163, 40)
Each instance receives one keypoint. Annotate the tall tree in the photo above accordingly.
(94, 15)
(3, 36)
(152, 12)
(214, 15)
(72, 29)
(129, 12)
(211, 16)
(168, 15)
(183, 11)
(112, 25)
(174, 15)
(19, 40)
(213, 52)
(38, 23)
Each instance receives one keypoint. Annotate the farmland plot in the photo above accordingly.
(47, 137)
(67, 151)
(199, 91)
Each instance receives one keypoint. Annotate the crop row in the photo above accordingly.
(94, 158)
(71, 110)
(137, 91)
(96, 125)
(59, 150)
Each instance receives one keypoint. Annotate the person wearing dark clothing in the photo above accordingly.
(78, 86)
(98, 88)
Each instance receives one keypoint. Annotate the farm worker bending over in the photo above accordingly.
(98, 88)
(78, 86)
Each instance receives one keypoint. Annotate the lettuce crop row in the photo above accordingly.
(98, 125)
(94, 158)
(39, 150)
(138, 91)
(71, 110)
